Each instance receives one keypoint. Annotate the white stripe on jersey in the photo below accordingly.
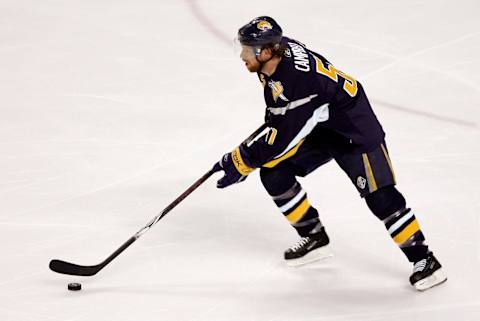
(291, 105)
(320, 114)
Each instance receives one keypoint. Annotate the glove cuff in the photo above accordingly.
(239, 163)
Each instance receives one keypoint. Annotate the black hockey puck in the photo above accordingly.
(74, 286)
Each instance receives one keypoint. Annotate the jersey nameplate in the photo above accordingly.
(300, 57)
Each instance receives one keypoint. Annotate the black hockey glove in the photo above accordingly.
(236, 170)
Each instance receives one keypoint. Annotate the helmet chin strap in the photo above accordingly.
(262, 64)
(258, 51)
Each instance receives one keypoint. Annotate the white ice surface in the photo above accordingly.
(110, 109)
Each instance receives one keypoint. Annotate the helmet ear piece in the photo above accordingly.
(276, 49)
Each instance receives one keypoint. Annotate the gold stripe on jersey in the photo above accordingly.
(297, 214)
(372, 183)
(407, 232)
(239, 163)
(271, 136)
(290, 153)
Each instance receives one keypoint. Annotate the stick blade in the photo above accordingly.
(63, 267)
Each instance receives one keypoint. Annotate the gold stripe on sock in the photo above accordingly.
(299, 212)
(407, 232)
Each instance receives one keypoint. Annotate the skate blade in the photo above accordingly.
(438, 277)
(315, 255)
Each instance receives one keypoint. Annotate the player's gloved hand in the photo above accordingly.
(236, 170)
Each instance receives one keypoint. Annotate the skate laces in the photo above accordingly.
(420, 266)
(303, 241)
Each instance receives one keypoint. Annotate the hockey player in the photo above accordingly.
(317, 113)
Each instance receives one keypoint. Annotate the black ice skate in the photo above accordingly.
(309, 249)
(427, 273)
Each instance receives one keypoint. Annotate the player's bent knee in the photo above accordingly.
(277, 180)
(385, 201)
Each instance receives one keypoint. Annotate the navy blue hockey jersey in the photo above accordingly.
(306, 93)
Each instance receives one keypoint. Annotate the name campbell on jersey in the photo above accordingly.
(305, 94)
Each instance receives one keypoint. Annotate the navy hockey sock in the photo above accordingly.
(291, 199)
(405, 231)
(402, 224)
(297, 210)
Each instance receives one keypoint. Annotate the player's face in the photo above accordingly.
(248, 56)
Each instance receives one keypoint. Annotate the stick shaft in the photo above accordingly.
(193, 187)
(83, 270)
(172, 205)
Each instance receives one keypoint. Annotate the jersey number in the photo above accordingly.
(350, 84)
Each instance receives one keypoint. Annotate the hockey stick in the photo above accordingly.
(63, 267)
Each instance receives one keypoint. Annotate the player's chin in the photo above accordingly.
(252, 67)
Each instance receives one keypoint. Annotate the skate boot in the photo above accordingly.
(427, 273)
(309, 249)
